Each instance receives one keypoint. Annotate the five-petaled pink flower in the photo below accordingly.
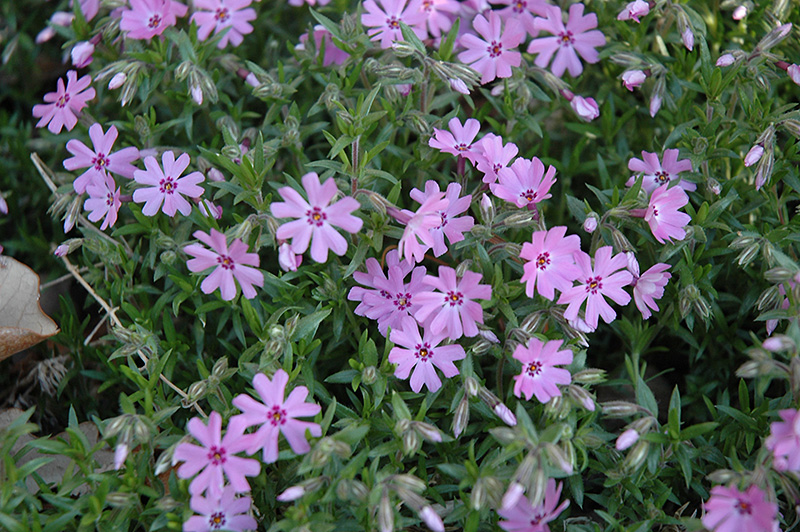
(539, 375)
(549, 262)
(384, 21)
(417, 237)
(368, 297)
(217, 15)
(523, 11)
(316, 219)
(104, 200)
(452, 226)
(493, 155)
(215, 459)
(662, 214)
(459, 140)
(65, 103)
(229, 264)
(657, 174)
(167, 186)
(649, 287)
(730, 510)
(524, 517)
(452, 308)
(100, 161)
(524, 183)
(225, 512)
(567, 41)
(148, 18)
(494, 55)
(596, 283)
(422, 353)
(784, 441)
(276, 415)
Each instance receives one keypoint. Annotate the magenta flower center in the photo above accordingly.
(167, 185)
(226, 262)
(393, 23)
(593, 284)
(62, 101)
(216, 520)
(495, 49)
(744, 508)
(316, 217)
(519, 6)
(661, 177)
(386, 294)
(444, 220)
(462, 147)
(427, 5)
(217, 455)
(403, 301)
(566, 38)
(110, 199)
(100, 161)
(222, 14)
(424, 352)
(277, 416)
(543, 260)
(534, 369)
(529, 195)
(155, 21)
(454, 298)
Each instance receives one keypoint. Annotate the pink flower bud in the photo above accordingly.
(512, 496)
(404, 88)
(291, 494)
(778, 343)
(215, 175)
(655, 105)
(489, 336)
(626, 439)
(633, 79)
(252, 80)
(739, 13)
(504, 413)
(586, 108)
(45, 35)
(117, 81)
(62, 18)
(688, 38)
(761, 178)
(459, 86)
(82, 54)
(1, 248)
(590, 224)
(754, 155)
(725, 60)
(633, 263)
(61, 251)
(634, 10)
(208, 208)
(197, 94)
(794, 73)
(432, 519)
(288, 261)
(3, 205)
(120, 454)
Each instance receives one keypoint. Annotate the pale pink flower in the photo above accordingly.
(385, 20)
(225, 512)
(230, 265)
(494, 55)
(217, 15)
(148, 18)
(216, 458)
(568, 41)
(277, 415)
(730, 510)
(754, 155)
(422, 353)
(657, 174)
(459, 140)
(439, 15)
(453, 227)
(539, 375)
(104, 200)
(649, 287)
(549, 262)
(524, 183)
(586, 108)
(333, 54)
(633, 79)
(524, 517)
(665, 220)
(82, 54)
(417, 237)
(100, 160)
(209, 209)
(316, 219)
(65, 103)
(634, 10)
(166, 186)
(89, 8)
(794, 73)
(452, 308)
(493, 155)
(523, 11)
(784, 441)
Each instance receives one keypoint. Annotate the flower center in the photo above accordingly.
(222, 14)
(155, 21)
(462, 147)
(100, 161)
(386, 294)
(424, 352)
(167, 185)
(744, 508)
(427, 5)
(393, 23)
(534, 369)
(444, 220)
(110, 199)
(403, 301)
(454, 298)
(226, 262)
(216, 520)
(217, 455)
(529, 195)
(495, 49)
(277, 416)
(62, 101)
(566, 38)
(661, 177)
(593, 284)
(316, 217)
(543, 260)
(520, 6)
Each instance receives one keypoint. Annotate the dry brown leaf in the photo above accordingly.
(22, 322)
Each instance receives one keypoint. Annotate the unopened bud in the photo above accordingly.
(487, 209)
(538, 487)
(590, 223)
(582, 397)
(590, 376)
(558, 458)
(747, 255)
(410, 442)
(432, 519)
(637, 456)
(471, 386)
(512, 495)
(291, 494)
(385, 515)
(428, 431)
(723, 476)
(519, 219)
(403, 49)
(461, 417)
(769, 298)
(409, 482)
(369, 375)
(620, 408)
(779, 275)
(477, 498)
(117, 81)
(779, 343)
(626, 439)
(725, 60)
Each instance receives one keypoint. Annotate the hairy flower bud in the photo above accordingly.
(590, 223)
(461, 417)
(558, 458)
(637, 456)
(590, 376)
(512, 495)
(725, 60)
(582, 397)
(778, 343)
(487, 209)
(385, 515)
(620, 409)
(427, 431)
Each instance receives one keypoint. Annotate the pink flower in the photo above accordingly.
(585, 108)
(649, 287)
(229, 264)
(656, 174)
(89, 8)
(82, 54)
(794, 73)
(665, 220)
(452, 309)
(65, 103)
(217, 15)
(209, 209)
(493, 155)
(784, 441)
(524, 517)
(333, 54)
(634, 10)
(730, 510)
(739, 13)
(417, 237)
(277, 415)
(604, 280)
(316, 219)
(216, 457)
(166, 185)
(421, 354)
(104, 200)
(394, 299)
(459, 140)
(224, 512)
(298, 3)
(539, 375)
(100, 160)
(439, 15)
(633, 79)
(523, 11)
(549, 262)
(287, 260)
(148, 18)
(370, 278)
(452, 226)
(567, 41)
(385, 20)
(525, 183)
(754, 155)
(492, 56)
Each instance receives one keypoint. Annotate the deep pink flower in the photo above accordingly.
(633, 79)
(730, 510)
(634, 10)
(277, 415)
(596, 283)
(665, 220)
(452, 226)
(229, 264)
(100, 160)
(417, 237)
(333, 54)
(657, 174)
(217, 15)
(385, 20)
(649, 287)
(539, 375)
(65, 103)
(784, 441)
(166, 186)
(452, 308)
(567, 41)
(148, 18)
(104, 200)
(225, 512)
(215, 458)
(494, 55)
(493, 155)
(316, 219)
(524, 183)
(368, 297)
(422, 353)
(524, 517)
(459, 140)
(549, 262)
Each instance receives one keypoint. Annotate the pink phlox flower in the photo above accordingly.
(369, 279)
(439, 15)
(384, 20)
(634, 10)
(539, 375)
(494, 55)
(148, 18)
(65, 103)
(104, 200)
(394, 299)
(586, 108)
(216, 458)
(662, 214)
(217, 15)
(493, 155)
(316, 218)
(225, 512)
(333, 54)
(100, 160)
(459, 140)
(730, 510)
(633, 79)
(422, 353)
(524, 517)
(229, 264)
(82, 54)
(417, 237)
(657, 174)
(452, 226)
(595, 284)
(277, 415)
(568, 41)
(287, 259)
(784, 441)
(649, 287)
(166, 186)
(452, 308)
(524, 183)
(523, 11)
(550, 262)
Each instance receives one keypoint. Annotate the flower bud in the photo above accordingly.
(725, 60)
(779, 275)
(403, 49)
(637, 456)
(723, 476)
(519, 219)
(287, 260)
(291, 494)
(739, 13)
(461, 417)
(585, 108)
(590, 376)
(487, 209)
(558, 458)
(632, 79)
(626, 439)
(408, 482)
(477, 498)
(590, 223)
(431, 519)
(385, 515)
(45, 35)
(794, 73)
(656, 97)
(774, 37)
(428, 431)
(82, 54)
(471, 386)
(512, 495)
(538, 487)
(410, 442)
(582, 397)
(778, 343)
(620, 408)
(754, 155)
(532, 322)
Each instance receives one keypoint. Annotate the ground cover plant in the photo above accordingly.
(400, 265)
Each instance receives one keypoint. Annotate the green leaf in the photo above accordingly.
(307, 326)
(698, 430)
(674, 423)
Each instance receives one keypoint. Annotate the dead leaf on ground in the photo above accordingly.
(22, 322)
